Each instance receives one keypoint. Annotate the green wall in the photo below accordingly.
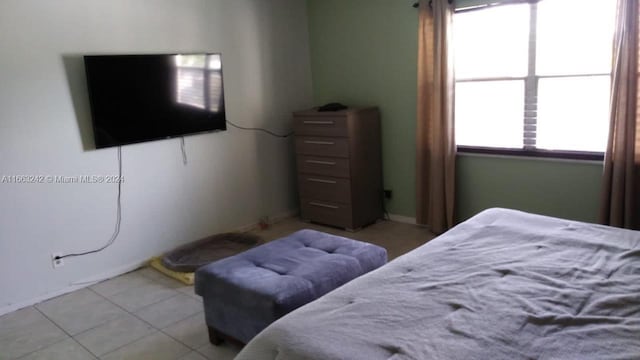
(364, 52)
(562, 188)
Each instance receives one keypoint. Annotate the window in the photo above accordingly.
(534, 78)
(199, 81)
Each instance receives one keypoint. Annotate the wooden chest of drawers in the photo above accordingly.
(339, 166)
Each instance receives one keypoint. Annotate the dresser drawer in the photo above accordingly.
(320, 126)
(337, 167)
(325, 188)
(326, 212)
(338, 147)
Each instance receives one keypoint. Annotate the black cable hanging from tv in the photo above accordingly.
(184, 151)
(116, 231)
(260, 129)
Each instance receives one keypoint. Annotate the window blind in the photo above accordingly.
(477, 4)
(551, 77)
(531, 87)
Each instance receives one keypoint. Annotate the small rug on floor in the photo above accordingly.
(181, 263)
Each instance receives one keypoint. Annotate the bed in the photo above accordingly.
(502, 285)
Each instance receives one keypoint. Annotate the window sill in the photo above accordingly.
(548, 154)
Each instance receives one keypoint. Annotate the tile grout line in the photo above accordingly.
(155, 282)
(101, 324)
(125, 289)
(169, 335)
(34, 351)
(146, 322)
(144, 307)
(157, 330)
(91, 328)
(175, 322)
(65, 331)
(137, 317)
(114, 319)
(129, 343)
(171, 297)
(183, 285)
(152, 279)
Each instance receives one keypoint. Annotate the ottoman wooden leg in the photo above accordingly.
(214, 336)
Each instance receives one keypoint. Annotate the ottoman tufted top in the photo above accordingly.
(289, 272)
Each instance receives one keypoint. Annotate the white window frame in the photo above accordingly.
(531, 81)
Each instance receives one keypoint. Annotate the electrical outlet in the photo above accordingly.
(264, 223)
(56, 263)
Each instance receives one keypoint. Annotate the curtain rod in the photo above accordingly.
(484, 6)
(416, 5)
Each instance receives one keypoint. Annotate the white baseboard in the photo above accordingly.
(402, 219)
(284, 215)
(272, 220)
(82, 283)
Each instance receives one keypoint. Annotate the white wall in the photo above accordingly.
(232, 178)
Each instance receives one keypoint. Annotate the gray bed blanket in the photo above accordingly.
(502, 285)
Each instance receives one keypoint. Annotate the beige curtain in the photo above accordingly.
(436, 149)
(621, 180)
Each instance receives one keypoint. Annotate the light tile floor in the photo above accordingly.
(145, 315)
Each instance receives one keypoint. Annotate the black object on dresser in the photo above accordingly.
(339, 166)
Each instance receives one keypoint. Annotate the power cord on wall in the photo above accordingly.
(385, 213)
(116, 231)
(184, 151)
(260, 129)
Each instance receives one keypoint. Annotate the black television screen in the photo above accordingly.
(136, 98)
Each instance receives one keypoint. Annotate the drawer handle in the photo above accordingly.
(322, 181)
(318, 122)
(320, 162)
(324, 205)
(314, 142)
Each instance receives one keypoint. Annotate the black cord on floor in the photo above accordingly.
(116, 231)
(384, 210)
(260, 129)
(384, 207)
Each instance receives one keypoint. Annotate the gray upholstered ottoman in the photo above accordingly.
(245, 293)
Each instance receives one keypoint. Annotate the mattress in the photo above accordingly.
(502, 285)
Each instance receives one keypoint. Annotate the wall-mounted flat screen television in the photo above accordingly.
(136, 98)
